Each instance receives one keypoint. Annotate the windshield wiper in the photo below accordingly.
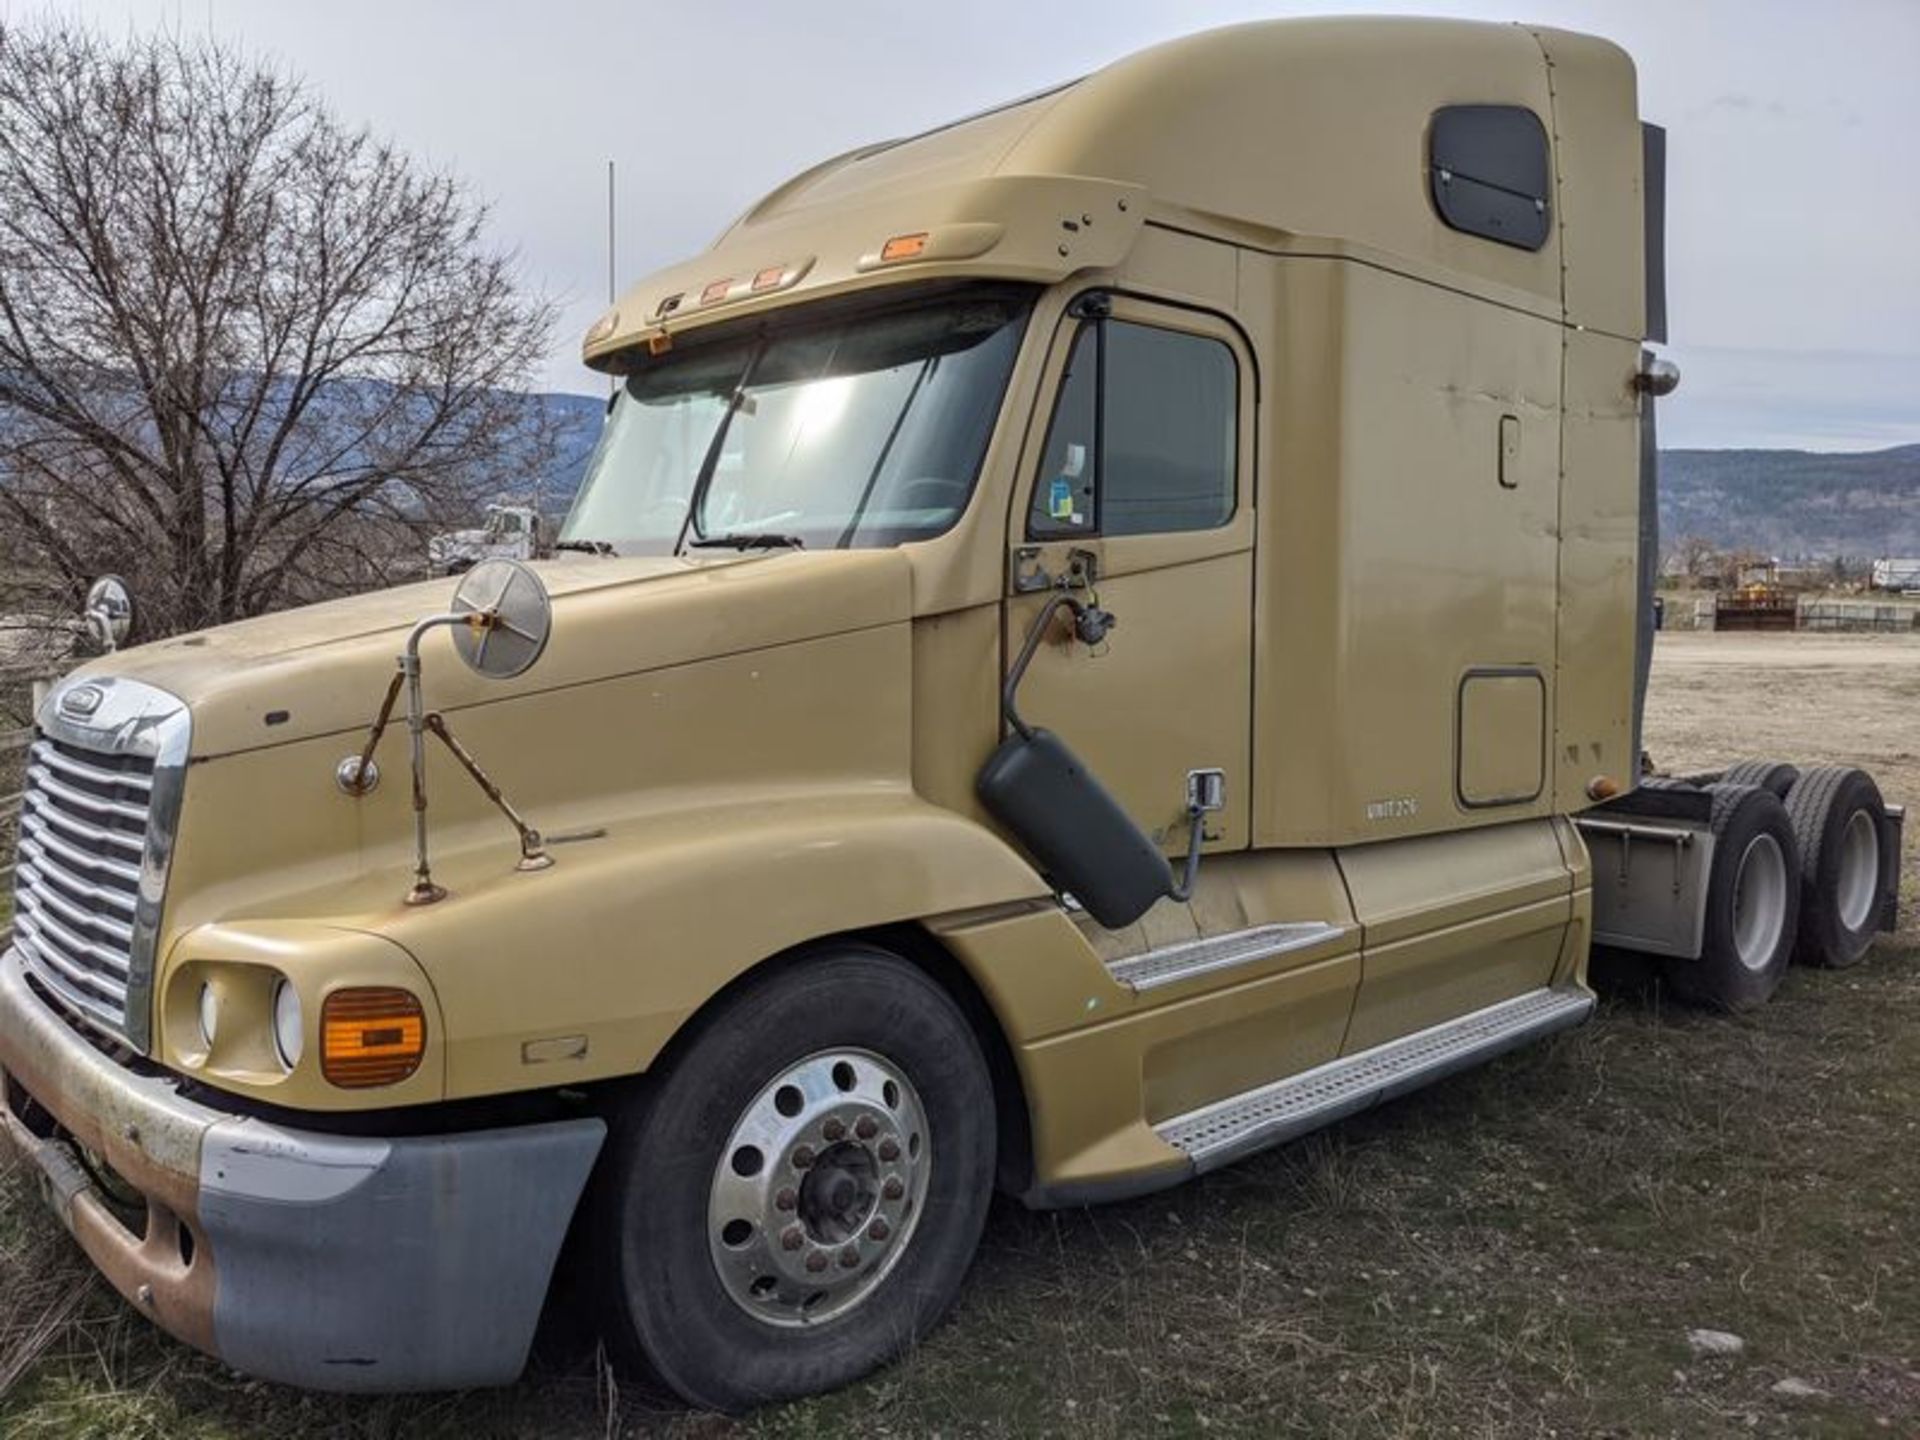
(748, 540)
(588, 547)
(703, 482)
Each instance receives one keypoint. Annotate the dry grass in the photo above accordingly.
(1519, 1251)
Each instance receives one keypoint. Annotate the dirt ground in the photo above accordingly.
(1517, 1251)
(1822, 699)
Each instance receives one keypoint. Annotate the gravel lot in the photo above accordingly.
(1821, 699)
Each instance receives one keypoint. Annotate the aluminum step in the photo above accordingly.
(1224, 1131)
(1218, 952)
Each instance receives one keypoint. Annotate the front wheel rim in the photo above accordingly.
(1859, 880)
(1759, 902)
(819, 1188)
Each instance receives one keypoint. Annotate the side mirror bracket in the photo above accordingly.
(501, 619)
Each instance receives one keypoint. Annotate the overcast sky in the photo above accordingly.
(1794, 186)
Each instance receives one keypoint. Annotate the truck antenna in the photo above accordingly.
(613, 381)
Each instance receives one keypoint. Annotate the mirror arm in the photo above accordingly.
(1183, 892)
(1018, 670)
(533, 853)
(424, 891)
(1206, 793)
(1091, 625)
(354, 779)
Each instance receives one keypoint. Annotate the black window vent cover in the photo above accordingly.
(1489, 173)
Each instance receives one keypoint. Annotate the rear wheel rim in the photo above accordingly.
(1859, 879)
(1759, 902)
(819, 1188)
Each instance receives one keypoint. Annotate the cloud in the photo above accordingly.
(1750, 104)
(1791, 400)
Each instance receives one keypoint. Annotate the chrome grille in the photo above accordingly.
(95, 838)
(83, 833)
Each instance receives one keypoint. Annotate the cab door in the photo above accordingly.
(1139, 495)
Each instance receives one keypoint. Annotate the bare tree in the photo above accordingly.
(1692, 556)
(247, 353)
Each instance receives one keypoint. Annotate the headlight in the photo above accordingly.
(289, 1026)
(209, 1015)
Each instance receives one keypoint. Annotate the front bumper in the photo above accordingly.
(326, 1261)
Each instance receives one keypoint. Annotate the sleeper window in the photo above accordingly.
(1143, 438)
(1490, 174)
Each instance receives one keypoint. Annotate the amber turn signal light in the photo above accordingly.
(371, 1035)
(903, 247)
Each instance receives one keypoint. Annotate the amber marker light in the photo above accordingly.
(769, 278)
(603, 327)
(903, 247)
(716, 291)
(371, 1035)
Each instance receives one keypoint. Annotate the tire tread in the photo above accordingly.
(1776, 776)
(1717, 978)
(1810, 804)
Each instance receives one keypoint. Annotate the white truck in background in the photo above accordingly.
(1899, 575)
(511, 532)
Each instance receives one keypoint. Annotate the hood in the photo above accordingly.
(323, 669)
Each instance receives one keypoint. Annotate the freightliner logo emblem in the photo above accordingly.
(81, 701)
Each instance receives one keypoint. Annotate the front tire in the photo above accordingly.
(797, 1200)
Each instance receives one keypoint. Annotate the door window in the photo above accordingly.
(1143, 437)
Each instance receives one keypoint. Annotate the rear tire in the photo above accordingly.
(797, 1200)
(1840, 824)
(1753, 901)
(1772, 775)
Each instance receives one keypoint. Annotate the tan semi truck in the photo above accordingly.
(1097, 639)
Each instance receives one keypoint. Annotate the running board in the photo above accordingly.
(1189, 958)
(1228, 1129)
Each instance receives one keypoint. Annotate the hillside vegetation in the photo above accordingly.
(1794, 502)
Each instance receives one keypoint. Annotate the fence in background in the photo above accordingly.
(1859, 615)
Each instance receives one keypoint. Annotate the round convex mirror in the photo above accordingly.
(109, 611)
(519, 618)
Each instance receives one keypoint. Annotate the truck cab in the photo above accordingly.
(510, 532)
(1082, 651)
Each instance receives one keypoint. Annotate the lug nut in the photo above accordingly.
(867, 1127)
(890, 1149)
(893, 1189)
(792, 1238)
(786, 1199)
(834, 1130)
(803, 1157)
(817, 1261)
(849, 1258)
(878, 1230)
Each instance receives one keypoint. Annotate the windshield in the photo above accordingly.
(862, 431)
